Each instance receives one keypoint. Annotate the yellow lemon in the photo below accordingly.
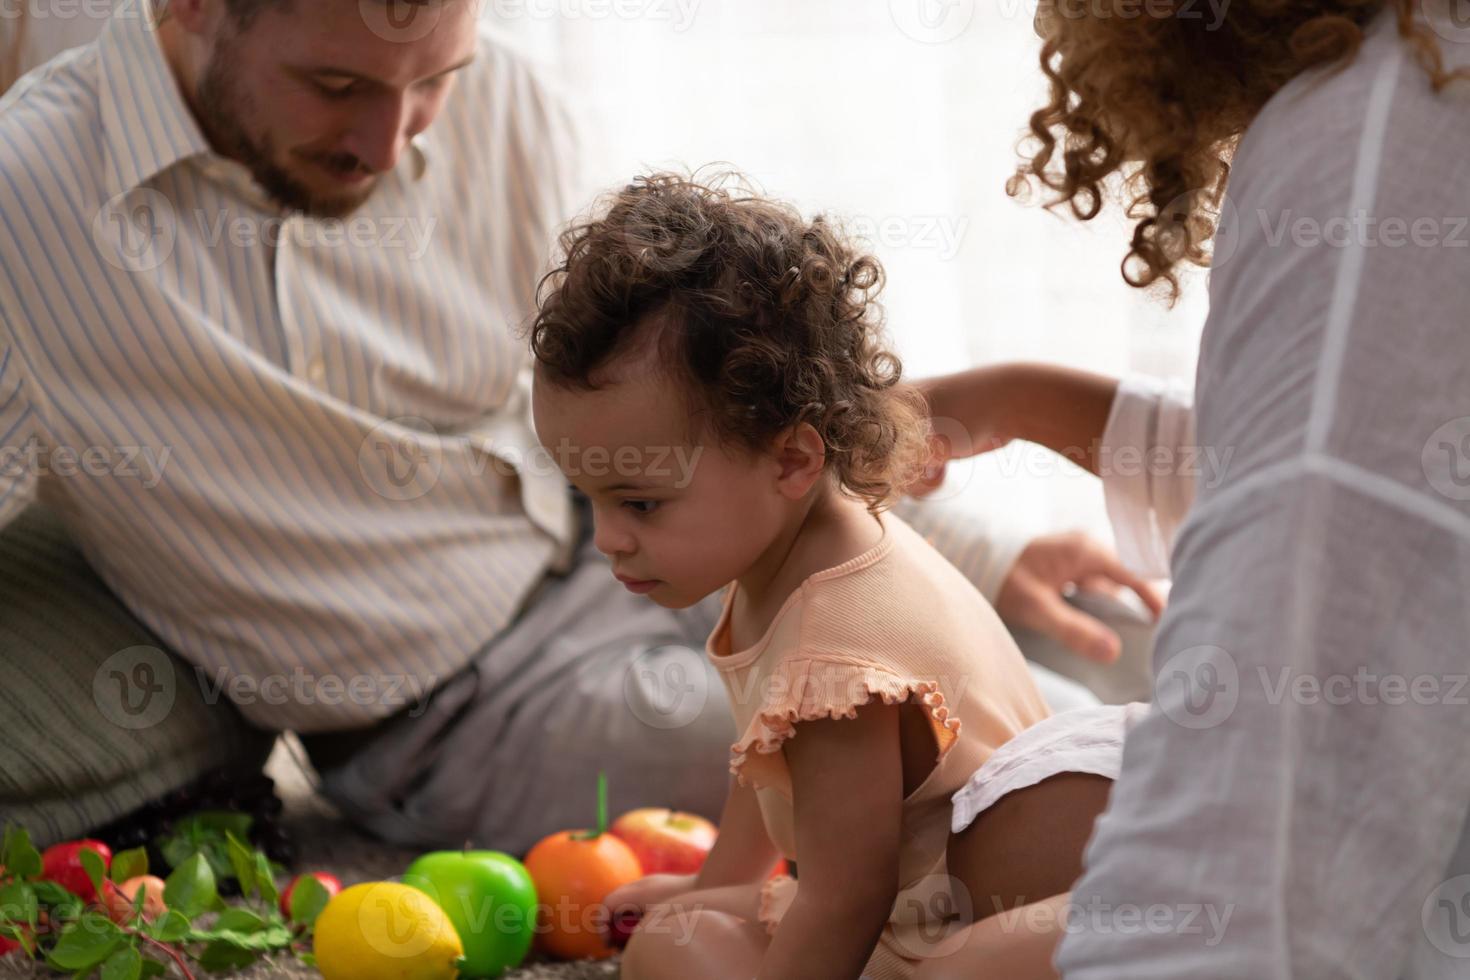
(382, 930)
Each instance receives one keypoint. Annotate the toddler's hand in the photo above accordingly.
(627, 905)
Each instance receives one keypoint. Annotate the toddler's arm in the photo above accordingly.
(742, 855)
(847, 790)
(743, 851)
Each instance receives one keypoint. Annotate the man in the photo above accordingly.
(259, 268)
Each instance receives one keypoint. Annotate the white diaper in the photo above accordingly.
(1080, 740)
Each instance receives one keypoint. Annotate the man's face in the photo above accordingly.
(685, 518)
(318, 98)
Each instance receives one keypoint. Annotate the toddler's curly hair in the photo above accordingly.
(767, 319)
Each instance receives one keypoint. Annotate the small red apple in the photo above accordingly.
(666, 842)
(8, 946)
(119, 898)
(331, 883)
(62, 863)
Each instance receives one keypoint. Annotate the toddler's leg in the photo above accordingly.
(1015, 945)
(713, 932)
(1028, 846)
(704, 943)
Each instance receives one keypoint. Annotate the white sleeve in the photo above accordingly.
(1295, 804)
(18, 459)
(1149, 465)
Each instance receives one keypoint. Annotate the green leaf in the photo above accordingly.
(86, 942)
(96, 870)
(308, 899)
(20, 857)
(18, 902)
(125, 964)
(308, 958)
(171, 927)
(63, 904)
(242, 860)
(265, 880)
(152, 968)
(239, 920)
(221, 956)
(129, 864)
(191, 888)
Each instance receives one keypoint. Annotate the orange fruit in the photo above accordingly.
(573, 874)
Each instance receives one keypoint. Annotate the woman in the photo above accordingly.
(1295, 804)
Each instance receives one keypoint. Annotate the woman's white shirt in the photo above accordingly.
(1295, 805)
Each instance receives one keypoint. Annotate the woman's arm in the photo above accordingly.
(1138, 435)
(847, 787)
(1063, 409)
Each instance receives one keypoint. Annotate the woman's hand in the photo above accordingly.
(1032, 595)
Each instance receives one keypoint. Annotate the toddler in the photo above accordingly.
(869, 679)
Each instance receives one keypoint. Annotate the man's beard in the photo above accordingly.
(222, 108)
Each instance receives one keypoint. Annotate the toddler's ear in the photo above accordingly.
(802, 459)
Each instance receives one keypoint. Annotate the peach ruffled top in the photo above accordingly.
(897, 622)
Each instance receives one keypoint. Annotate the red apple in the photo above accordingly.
(331, 883)
(666, 842)
(8, 946)
(62, 863)
(119, 899)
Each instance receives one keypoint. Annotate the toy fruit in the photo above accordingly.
(118, 899)
(490, 898)
(383, 930)
(62, 863)
(574, 871)
(666, 842)
(331, 883)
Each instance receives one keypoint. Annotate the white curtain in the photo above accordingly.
(903, 117)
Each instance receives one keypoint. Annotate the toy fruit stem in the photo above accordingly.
(601, 811)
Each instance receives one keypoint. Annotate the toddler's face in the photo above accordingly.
(678, 521)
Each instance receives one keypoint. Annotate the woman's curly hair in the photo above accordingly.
(767, 319)
(1162, 98)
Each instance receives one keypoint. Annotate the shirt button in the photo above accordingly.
(316, 370)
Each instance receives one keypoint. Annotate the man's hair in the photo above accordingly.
(766, 320)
